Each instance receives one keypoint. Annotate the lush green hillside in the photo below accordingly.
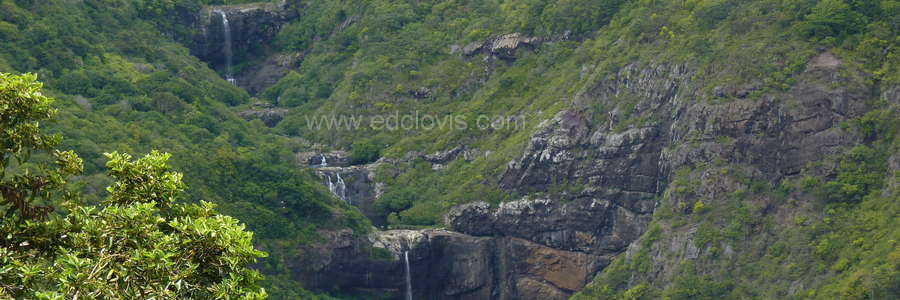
(123, 83)
(373, 59)
(370, 59)
(126, 82)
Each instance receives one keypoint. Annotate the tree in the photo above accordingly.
(833, 18)
(141, 243)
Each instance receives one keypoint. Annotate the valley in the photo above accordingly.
(595, 149)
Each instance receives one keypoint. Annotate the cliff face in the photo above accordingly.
(446, 265)
(615, 170)
(251, 25)
(253, 28)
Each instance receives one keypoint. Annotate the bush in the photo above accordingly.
(832, 18)
(363, 152)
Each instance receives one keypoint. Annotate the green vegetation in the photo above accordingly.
(836, 236)
(141, 243)
(376, 57)
(123, 82)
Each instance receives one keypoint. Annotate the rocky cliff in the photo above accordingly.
(615, 169)
(253, 28)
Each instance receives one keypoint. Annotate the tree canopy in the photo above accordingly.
(141, 242)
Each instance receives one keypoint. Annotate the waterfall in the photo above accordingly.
(338, 188)
(408, 277)
(226, 48)
(330, 185)
(324, 163)
(343, 189)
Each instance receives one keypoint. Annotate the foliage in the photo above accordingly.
(140, 244)
(22, 109)
(376, 57)
(861, 172)
(366, 151)
(839, 242)
(125, 81)
(833, 18)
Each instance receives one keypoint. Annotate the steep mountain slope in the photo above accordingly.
(720, 148)
(633, 114)
(125, 84)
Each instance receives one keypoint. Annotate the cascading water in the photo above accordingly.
(226, 48)
(343, 188)
(338, 188)
(408, 277)
(330, 184)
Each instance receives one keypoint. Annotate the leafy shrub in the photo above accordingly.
(140, 243)
(363, 152)
(860, 172)
(832, 18)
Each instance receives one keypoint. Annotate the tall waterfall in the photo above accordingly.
(408, 277)
(226, 48)
(343, 188)
(339, 187)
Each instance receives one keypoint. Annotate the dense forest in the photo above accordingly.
(123, 83)
(760, 136)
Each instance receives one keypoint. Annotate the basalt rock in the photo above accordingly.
(359, 188)
(503, 46)
(446, 265)
(269, 115)
(258, 77)
(592, 180)
(624, 158)
(356, 185)
(332, 159)
(252, 26)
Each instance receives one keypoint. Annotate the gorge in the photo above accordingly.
(594, 149)
(550, 245)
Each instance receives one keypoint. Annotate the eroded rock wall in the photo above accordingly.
(616, 165)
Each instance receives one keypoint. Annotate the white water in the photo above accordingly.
(343, 188)
(226, 29)
(338, 188)
(330, 185)
(408, 277)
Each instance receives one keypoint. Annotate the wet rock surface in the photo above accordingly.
(449, 265)
(252, 28)
(354, 184)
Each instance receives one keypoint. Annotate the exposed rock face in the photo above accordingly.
(625, 165)
(356, 185)
(253, 27)
(549, 244)
(504, 46)
(265, 112)
(448, 265)
(258, 77)
(583, 225)
(332, 159)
